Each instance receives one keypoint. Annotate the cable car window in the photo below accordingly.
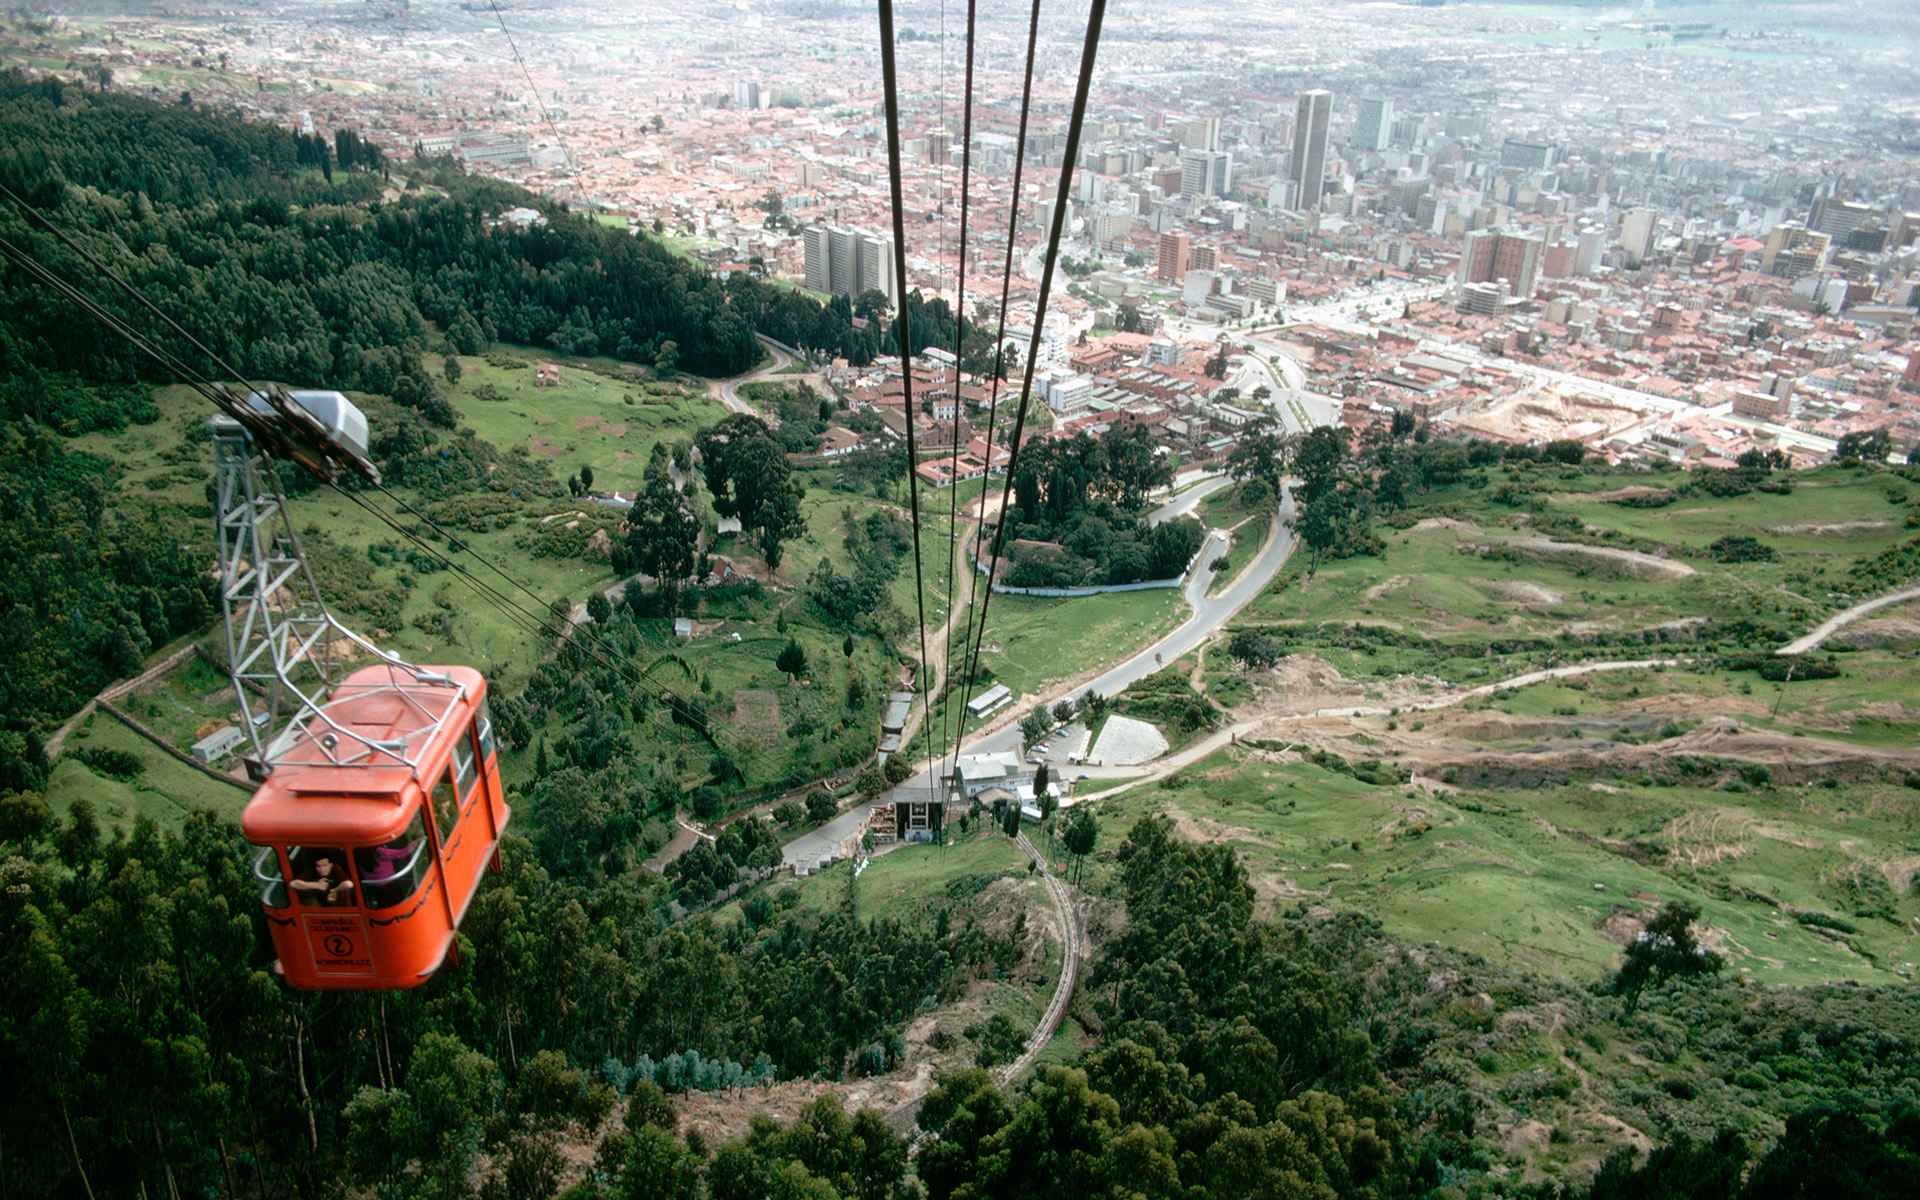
(463, 764)
(267, 873)
(321, 876)
(483, 725)
(446, 808)
(391, 873)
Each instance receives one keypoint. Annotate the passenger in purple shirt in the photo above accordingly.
(380, 868)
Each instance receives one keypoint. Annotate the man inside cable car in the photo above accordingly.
(325, 881)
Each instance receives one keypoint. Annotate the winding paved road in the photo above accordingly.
(727, 391)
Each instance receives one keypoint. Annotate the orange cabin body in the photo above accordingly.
(366, 869)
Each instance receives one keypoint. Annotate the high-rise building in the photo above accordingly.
(1516, 153)
(939, 147)
(1374, 129)
(1308, 166)
(1203, 258)
(819, 256)
(876, 267)
(1587, 256)
(1173, 258)
(1202, 133)
(1205, 172)
(846, 263)
(1492, 256)
(1637, 232)
(843, 263)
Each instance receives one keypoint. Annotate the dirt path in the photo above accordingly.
(114, 691)
(1839, 621)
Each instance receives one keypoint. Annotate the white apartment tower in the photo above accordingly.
(1637, 232)
(846, 263)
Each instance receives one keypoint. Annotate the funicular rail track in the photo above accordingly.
(1072, 948)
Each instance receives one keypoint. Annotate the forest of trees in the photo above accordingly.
(146, 1046)
(1075, 517)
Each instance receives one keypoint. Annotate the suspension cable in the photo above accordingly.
(531, 85)
(999, 369)
(925, 687)
(1075, 125)
(959, 339)
(208, 388)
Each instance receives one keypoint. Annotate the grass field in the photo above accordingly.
(165, 791)
(1541, 878)
(1470, 572)
(590, 419)
(910, 882)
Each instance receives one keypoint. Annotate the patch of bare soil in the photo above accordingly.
(1900, 872)
(1700, 839)
(1208, 831)
(1380, 589)
(1444, 523)
(1625, 493)
(723, 1115)
(1525, 593)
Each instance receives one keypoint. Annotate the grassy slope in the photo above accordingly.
(1434, 582)
(1512, 875)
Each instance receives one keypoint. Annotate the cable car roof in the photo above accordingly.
(353, 771)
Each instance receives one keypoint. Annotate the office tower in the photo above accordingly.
(819, 256)
(1205, 172)
(1308, 166)
(1173, 258)
(1374, 129)
(1837, 217)
(939, 148)
(1532, 155)
(1203, 258)
(1202, 133)
(746, 94)
(876, 267)
(1637, 232)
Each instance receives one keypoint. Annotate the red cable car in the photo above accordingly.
(366, 867)
(379, 806)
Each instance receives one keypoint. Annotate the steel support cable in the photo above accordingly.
(532, 623)
(1075, 125)
(123, 285)
(209, 389)
(276, 399)
(948, 720)
(1006, 284)
(888, 78)
(973, 635)
(441, 531)
(531, 86)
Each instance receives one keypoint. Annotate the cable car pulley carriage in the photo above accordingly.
(379, 806)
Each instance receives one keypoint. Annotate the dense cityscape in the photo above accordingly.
(1604, 225)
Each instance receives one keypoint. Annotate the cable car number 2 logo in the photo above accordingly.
(339, 945)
